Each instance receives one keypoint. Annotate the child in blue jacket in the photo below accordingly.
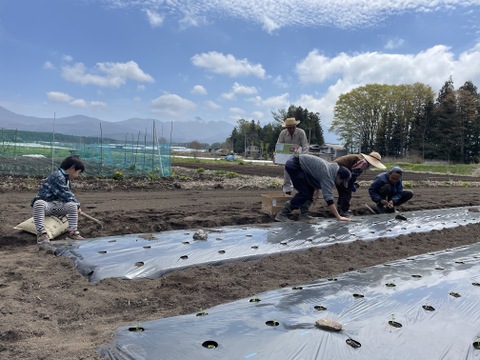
(55, 197)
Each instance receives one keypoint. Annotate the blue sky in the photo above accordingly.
(178, 60)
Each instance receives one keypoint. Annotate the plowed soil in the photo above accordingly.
(49, 311)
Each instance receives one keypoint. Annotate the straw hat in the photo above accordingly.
(290, 122)
(374, 160)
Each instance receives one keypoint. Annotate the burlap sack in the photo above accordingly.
(54, 226)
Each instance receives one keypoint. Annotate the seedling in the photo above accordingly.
(136, 328)
(476, 343)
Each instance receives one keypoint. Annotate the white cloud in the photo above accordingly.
(106, 74)
(433, 67)
(239, 89)
(305, 13)
(236, 110)
(67, 58)
(212, 105)
(228, 96)
(394, 43)
(274, 102)
(269, 25)
(155, 19)
(62, 97)
(199, 89)
(242, 89)
(98, 104)
(236, 113)
(172, 105)
(48, 65)
(258, 115)
(59, 97)
(219, 63)
(79, 103)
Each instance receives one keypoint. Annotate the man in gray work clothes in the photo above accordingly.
(309, 175)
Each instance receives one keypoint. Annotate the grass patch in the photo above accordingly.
(457, 169)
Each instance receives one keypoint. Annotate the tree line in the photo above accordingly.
(407, 120)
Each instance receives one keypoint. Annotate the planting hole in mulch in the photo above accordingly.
(255, 300)
(273, 323)
(139, 263)
(184, 257)
(353, 343)
(202, 313)
(428, 307)
(136, 329)
(394, 324)
(320, 308)
(210, 344)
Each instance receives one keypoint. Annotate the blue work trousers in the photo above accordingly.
(304, 189)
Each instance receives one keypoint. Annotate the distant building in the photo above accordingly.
(333, 151)
(253, 152)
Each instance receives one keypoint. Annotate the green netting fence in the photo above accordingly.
(40, 158)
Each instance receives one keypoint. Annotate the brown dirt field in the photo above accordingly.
(49, 311)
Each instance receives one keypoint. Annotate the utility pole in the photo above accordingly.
(53, 140)
(245, 144)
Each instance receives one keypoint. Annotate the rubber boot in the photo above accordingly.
(282, 216)
(304, 212)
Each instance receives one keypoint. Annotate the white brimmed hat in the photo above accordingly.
(290, 122)
(374, 160)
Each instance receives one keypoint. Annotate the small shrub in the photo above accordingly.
(275, 184)
(153, 176)
(407, 184)
(118, 175)
(231, 174)
(465, 183)
(183, 177)
(200, 170)
(220, 172)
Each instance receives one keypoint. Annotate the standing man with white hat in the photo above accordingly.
(357, 164)
(291, 135)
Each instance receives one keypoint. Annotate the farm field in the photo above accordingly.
(49, 311)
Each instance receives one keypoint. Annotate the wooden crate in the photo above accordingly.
(273, 203)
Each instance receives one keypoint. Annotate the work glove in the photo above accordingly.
(354, 187)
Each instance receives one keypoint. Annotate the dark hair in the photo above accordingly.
(396, 169)
(73, 160)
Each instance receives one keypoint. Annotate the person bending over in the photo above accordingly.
(309, 175)
(357, 164)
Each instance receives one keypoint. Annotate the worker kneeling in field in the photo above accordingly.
(387, 191)
(309, 175)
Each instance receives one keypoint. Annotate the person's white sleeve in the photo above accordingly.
(304, 143)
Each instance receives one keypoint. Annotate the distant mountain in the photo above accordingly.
(80, 125)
